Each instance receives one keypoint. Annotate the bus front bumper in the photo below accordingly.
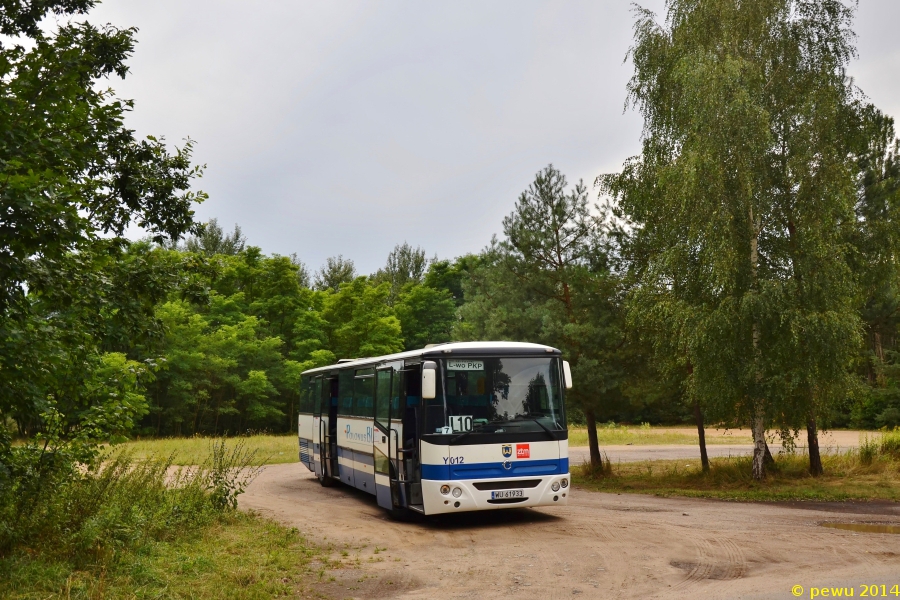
(490, 494)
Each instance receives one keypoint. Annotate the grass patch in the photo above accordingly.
(610, 434)
(871, 472)
(239, 555)
(270, 449)
(123, 526)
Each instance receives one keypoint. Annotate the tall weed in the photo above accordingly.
(868, 449)
(890, 443)
(91, 512)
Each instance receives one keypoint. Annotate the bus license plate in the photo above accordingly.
(506, 494)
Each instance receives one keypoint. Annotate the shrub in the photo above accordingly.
(57, 506)
(868, 450)
(890, 443)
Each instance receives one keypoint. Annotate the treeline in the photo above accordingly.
(231, 361)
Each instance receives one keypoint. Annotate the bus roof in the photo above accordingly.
(442, 350)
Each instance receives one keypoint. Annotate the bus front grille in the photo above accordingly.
(506, 484)
(506, 500)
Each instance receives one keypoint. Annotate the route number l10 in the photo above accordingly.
(461, 423)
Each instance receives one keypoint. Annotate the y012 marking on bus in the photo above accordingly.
(454, 460)
(523, 450)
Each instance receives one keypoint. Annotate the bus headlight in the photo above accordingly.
(457, 492)
(445, 489)
(555, 486)
(565, 483)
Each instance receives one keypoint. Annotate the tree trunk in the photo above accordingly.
(593, 443)
(701, 433)
(759, 446)
(759, 418)
(769, 459)
(812, 440)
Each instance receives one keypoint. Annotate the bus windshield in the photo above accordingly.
(501, 395)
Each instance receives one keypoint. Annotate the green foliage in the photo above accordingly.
(740, 201)
(235, 555)
(59, 191)
(426, 315)
(550, 281)
(233, 363)
(90, 513)
(123, 521)
(212, 240)
(451, 275)
(360, 322)
(333, 273)
(74, 178)
(890, 443)
(405, 265)
(227, 473)
(849, 476)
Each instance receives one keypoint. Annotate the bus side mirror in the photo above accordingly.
(429, 380)
(567, 374)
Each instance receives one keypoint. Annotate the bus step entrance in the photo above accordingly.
(415, 494)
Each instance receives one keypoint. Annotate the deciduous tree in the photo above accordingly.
(740, 200)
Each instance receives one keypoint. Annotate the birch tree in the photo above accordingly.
(739, 204)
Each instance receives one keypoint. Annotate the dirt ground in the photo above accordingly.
(599, 546)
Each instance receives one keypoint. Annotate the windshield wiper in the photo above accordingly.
(544, 427)
(473, 430)
(462, 435)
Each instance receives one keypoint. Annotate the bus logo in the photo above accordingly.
(507, 450)
(366, 437)
(523, 450)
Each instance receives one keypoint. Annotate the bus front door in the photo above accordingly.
(390, 477)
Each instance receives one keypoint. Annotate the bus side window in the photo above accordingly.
(302, 405)
(383, 396)
(398, 400)
(363, 393)
(315, 391)
(345, 393)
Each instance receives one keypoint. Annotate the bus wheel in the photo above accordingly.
(326, 481)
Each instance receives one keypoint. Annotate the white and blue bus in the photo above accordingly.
(450, 428)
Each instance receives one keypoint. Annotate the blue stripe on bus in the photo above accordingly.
(518, 468)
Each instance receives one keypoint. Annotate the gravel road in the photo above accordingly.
(599, 546)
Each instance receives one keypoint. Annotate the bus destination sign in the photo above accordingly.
(455, 364)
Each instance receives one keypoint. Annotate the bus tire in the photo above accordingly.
(326, 481)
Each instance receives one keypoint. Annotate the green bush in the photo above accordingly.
(54, 506)
(890, 443)
(868, 450)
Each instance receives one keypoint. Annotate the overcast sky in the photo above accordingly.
(348, 127)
